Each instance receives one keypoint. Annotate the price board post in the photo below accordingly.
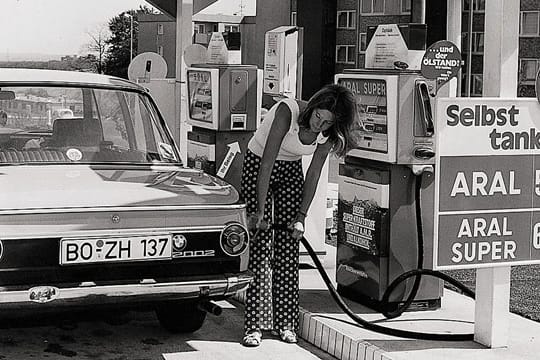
(488, 199)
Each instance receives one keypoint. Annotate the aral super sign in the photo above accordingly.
(488, 182)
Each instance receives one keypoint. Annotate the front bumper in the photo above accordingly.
(145, 291)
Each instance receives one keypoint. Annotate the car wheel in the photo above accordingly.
(180, 316)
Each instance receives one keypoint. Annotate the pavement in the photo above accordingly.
(324, 325)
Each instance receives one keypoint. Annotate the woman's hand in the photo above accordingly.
(256, 222)
(252, 220)
(297, 226)
(261, 224)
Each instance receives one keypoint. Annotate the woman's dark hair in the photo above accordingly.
(340, 102)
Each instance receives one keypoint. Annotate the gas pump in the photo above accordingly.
(381, 184)
(224, 111)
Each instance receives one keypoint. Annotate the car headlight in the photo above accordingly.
(234, 239)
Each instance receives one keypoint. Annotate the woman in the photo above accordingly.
(275, 192)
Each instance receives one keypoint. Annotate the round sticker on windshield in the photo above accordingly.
(74, 154)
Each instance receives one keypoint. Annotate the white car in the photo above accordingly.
(99, 209)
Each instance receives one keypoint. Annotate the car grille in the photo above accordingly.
(36, 261)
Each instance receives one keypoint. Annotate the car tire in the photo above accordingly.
(180, 316)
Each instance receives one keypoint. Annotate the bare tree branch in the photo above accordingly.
(98, 44)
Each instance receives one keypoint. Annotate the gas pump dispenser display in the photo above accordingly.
(201, 100)
(373, 115)
(373, 112)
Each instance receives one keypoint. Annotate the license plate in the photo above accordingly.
(131, 248)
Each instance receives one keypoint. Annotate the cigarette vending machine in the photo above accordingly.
(377, 228)
(224, 111)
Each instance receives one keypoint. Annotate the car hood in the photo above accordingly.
(82, 186)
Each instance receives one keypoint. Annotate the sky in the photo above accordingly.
(60, 27)
(54, 26)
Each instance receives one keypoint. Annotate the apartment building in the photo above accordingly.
(157, 33)
(352, 21)
(355, 16)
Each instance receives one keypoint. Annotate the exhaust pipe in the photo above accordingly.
(210, 307)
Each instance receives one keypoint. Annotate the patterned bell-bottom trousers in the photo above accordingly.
(272, 298)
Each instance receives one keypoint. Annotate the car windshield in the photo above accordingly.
(84, 125)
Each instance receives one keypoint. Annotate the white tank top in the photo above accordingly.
(291, 148)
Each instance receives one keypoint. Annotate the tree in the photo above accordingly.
(117, 59)
(98, 46)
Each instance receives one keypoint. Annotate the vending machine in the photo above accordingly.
(377, 227)
(224, 111)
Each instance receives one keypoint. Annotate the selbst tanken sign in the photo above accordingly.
(487, 205)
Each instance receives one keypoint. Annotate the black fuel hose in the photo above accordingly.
(417, 273)
(371, 326)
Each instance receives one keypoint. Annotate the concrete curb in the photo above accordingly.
(334, 342)
(331, 340)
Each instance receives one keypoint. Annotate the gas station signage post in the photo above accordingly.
(487, 210)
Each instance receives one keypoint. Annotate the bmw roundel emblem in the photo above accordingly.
(115, 218)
